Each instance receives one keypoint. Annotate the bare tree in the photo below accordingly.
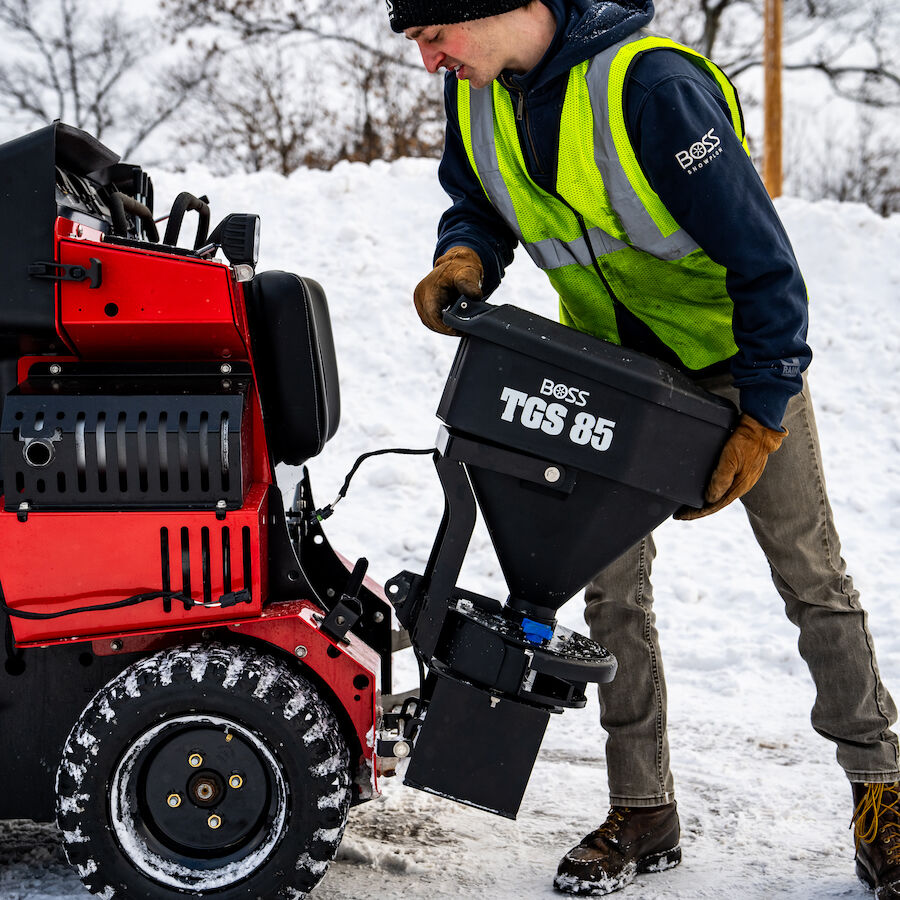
(351, 23)
(853, 44)
(67, 60)
(354, 86)
(857, 162)
(255, 119)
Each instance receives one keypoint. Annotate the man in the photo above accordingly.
(618, 160)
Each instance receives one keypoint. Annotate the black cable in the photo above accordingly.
(12, 652)
(225, 601)
(118, 604)
(321, 514)
(421, 665)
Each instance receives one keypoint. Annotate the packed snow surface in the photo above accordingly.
(764, 808)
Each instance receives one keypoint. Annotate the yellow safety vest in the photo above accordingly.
(606, 220)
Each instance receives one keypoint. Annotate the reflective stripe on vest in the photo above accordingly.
(613, 146)
(604, 215)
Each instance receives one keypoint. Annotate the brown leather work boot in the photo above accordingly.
(630, 842)
(876, 825)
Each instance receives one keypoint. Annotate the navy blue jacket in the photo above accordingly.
(723, 205)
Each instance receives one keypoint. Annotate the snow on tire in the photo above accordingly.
(207, 771)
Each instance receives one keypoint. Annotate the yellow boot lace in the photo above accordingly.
(877, 817)
(610, 828)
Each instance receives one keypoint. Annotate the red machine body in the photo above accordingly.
(148, 306)
(139, 510)
(153, 306)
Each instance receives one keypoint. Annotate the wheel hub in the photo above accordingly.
(213, 817)
(206, 789)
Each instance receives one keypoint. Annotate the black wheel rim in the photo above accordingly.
(198, 799)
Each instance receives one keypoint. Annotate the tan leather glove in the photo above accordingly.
(740, 465)
(458, 271)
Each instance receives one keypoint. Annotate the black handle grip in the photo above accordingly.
(187, 202)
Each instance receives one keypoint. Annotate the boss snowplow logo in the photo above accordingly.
(536, 413)
(563, 392)
(701, 153)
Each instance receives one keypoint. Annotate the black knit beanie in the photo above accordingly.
(419, 13)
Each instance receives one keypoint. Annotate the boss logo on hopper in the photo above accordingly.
(560, 391)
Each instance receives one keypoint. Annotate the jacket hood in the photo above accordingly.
(583, 29)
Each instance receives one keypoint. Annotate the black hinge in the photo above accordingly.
(52, 270)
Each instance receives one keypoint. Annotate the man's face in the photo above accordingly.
(475, 51)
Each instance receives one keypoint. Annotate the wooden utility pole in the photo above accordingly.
(772, 138)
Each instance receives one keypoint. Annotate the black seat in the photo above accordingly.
(293, 352)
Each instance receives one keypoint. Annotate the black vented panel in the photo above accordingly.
(225, 561)
(132, 451)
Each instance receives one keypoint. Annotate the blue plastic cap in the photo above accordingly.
(536, 632)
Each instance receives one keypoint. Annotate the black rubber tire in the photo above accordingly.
(289, 735)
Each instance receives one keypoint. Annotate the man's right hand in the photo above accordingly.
(458, 271)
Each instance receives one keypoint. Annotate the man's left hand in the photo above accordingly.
(742, 461)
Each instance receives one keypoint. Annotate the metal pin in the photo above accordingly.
(300, 651)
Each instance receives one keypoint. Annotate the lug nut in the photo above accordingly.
(236, 781)
(214, 821)
(195, 760)
(173, 800)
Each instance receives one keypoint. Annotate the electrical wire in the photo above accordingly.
(225, 601)
(321, 514)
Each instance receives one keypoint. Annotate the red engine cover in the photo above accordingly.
(149, 305)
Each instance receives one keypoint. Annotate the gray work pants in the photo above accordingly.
(791, 518)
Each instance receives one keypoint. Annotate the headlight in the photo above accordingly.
(238, 236)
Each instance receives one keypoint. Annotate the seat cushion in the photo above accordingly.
(293, 354)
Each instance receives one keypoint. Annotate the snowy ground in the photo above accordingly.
(764, 808)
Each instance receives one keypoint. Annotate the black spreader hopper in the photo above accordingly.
(574, 449)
